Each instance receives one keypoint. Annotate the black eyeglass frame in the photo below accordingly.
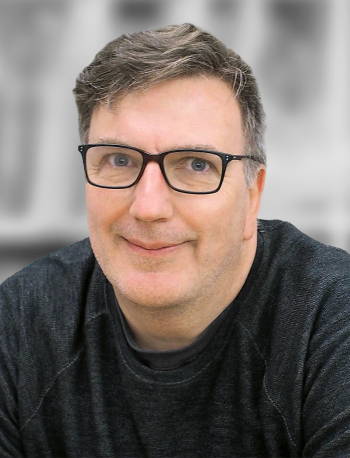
(159, 159)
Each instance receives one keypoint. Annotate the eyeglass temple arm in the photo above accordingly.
(229, 157)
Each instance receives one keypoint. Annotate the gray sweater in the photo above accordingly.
(272, 381)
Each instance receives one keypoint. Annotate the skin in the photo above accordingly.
(175, 260)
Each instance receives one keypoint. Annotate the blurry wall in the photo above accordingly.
(298, 50)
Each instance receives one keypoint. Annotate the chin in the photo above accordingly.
(151, 291)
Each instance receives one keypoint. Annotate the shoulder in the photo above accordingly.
(297, 287)
(57, 272)
(300, 291)
(302, 329)
(53, 288)
(300, 279)
(288, 250)
(45, 313)
(72, 259)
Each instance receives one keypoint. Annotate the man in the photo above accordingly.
(182, 327)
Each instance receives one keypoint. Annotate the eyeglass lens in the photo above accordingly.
(190, 171)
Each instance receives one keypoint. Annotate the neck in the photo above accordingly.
(179, 325)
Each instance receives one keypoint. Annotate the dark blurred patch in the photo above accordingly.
(224, 7)
(299, 16)
(294, 61)
(30, 33)
(19, 185)
(17, 256)
(225, 17)
(136, 10)
(30, 253)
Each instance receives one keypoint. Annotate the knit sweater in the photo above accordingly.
(273, 380)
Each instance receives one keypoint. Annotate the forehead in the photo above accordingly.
(204, 89)
(185, 110)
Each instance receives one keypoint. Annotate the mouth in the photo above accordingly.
(159, 247)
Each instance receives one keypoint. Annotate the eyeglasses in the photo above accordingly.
(192, 171)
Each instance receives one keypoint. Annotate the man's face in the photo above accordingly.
(159, 247)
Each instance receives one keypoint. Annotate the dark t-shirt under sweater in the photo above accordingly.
(273, 380)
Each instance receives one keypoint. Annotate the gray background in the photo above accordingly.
(299, 51)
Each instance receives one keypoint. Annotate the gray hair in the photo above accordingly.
(141, 60)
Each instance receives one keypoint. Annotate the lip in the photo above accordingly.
(152, 247)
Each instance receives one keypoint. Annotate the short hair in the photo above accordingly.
(139, 61)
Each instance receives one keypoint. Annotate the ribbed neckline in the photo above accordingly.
(167, 360)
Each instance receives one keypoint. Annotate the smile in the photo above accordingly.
(152, 248)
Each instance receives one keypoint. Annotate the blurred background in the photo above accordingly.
(298, 49)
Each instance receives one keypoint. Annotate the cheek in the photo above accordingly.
(228, 205)
(217, 219)
(102, 212)
(104, 206)
(226, 221)
(96, 208)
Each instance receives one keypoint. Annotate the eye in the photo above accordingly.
(198, 165)
(193, 163)
(120, 160)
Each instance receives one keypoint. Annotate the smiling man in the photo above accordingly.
(183, 326)
(173, 258)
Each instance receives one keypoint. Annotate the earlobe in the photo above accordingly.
(255, 193)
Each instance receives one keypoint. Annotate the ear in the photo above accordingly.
(254, 199)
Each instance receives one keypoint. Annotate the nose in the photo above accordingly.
(152, 196)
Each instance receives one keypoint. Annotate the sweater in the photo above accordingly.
(272, 381)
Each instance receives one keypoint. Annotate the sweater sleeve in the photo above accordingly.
(326, 411)
(10, 442)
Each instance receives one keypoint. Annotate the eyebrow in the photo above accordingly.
(205, 146)
(197, 146)
(111, 141)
